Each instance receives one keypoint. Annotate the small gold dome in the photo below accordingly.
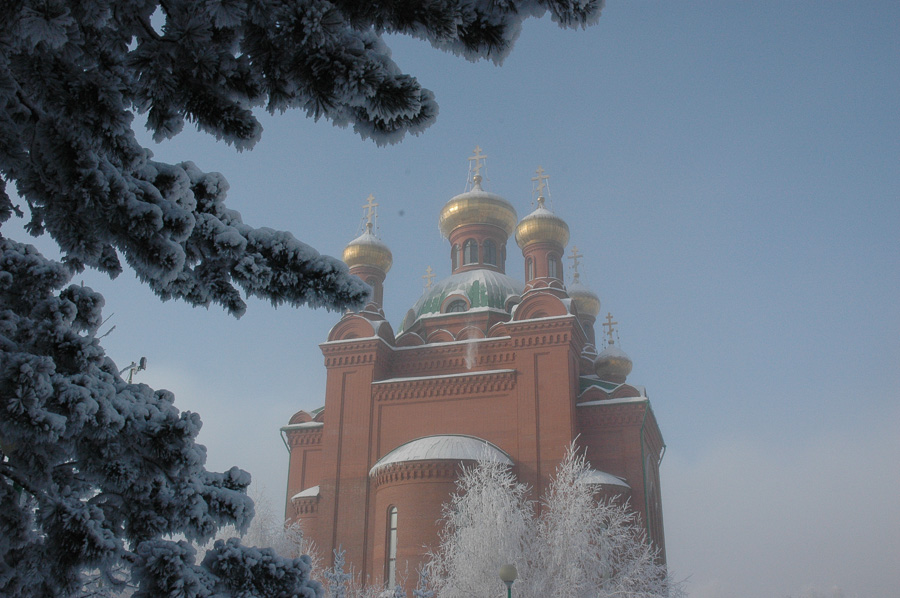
(613, 364)
(542, 225)
(368, 250)
(477, 207)
(587, 302)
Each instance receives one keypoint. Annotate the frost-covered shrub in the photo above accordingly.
(576, 547)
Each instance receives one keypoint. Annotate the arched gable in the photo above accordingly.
(410, 339)
(469, 332)
(440, 336)
(539, 305)
(351, 326)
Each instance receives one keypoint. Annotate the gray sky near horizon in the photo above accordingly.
(731, 173)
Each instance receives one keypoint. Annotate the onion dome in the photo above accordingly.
(586, 300)
(477, 206)
(542, 225)
(613, 364)
(368, 250)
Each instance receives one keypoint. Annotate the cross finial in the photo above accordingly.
(429, 277)
(608, 324)
(540, 184)
(476, 163)
(576, 259)
(370, 214)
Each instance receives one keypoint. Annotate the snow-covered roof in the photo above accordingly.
(482, 287)
(449, 447)
(613, 401)
(308, 493)
(595, 476)
(303, 426)
(443, 376)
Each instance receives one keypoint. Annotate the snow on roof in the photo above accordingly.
(595, 476)
(303, 426)
(308, 493)
(451, 447)
(440, 376)
(613, 401)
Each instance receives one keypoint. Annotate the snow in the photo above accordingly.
(443, 376)
(303, 426)
(307, 493)
(641, 399)
(444, 447)
(594, 476)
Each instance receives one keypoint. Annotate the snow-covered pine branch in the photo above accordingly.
(74, 74)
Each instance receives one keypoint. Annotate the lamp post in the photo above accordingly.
(508, 574)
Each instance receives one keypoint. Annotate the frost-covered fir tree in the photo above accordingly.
(97, 474)
(575, 547)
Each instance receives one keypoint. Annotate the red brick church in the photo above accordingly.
(484, 365)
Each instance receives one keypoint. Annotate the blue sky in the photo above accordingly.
(731, 173)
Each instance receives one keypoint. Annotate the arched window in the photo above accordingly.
(392, 548)
(470, 252)
(454, 257)
(457, 305)
(529, 270)
(490, 252)
(552, 267)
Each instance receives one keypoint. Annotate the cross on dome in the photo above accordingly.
(540, 185)
(371, 214)
(608, 324)
(575, 257)
(429, 277)
(476, 163)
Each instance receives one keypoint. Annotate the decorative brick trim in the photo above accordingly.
(307, 505)
(629, 414)
(464, 384)
(396, 473)
(304, 437)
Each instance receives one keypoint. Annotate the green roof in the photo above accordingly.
(483, 288)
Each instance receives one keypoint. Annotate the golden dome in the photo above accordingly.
(542, 225)
(587, 302)
(368, 250)
(613, 364)
(477, 207)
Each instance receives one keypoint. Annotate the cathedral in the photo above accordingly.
(483, 366)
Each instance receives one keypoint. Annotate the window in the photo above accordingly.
(552, 267)
(529, 270)
(454, 257)
(490, 252)
(470, 252)
(457, 305)
(392, 547)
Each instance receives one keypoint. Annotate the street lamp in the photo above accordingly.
(508, 574)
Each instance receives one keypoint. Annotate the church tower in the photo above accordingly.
(483, 365)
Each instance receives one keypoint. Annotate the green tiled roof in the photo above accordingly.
(585, 383)
(483, 289)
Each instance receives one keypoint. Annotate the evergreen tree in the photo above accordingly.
(96, 474)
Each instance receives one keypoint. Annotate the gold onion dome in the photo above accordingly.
(612, 364)
(542, 225)
(586, 300)
(477, 206)
(368, 250)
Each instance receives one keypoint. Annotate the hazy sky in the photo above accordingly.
(731, 173)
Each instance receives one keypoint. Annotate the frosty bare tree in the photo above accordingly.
(577, 547)
(96, 473)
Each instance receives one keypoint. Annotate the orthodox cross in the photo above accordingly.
(476, 161)
(429, 277)
(608, 324)
(541, 185)
(370, 215)
(575, 257)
